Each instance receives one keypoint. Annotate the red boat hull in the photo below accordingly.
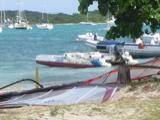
(61, 64)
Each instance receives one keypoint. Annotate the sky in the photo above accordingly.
(50, 6)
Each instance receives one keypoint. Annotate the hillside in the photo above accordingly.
(139, 103)
(35, 17)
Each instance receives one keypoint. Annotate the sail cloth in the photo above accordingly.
(72, 95)
(99, 89)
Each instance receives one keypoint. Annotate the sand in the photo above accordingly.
(139, 103)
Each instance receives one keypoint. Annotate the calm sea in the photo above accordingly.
(18, 49)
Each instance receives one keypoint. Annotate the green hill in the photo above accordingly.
(35, 17)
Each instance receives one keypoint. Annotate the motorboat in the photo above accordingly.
(90, 36)
(75, 60)
(135, 50)
(153, 38)
(91, 43)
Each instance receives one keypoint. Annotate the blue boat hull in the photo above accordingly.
(134, 50)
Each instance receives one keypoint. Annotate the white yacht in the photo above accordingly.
(21, 21)
(87, 22)
(45, 22)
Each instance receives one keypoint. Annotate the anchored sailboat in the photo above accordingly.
(45, 22)
(87, 21)
(21, 21)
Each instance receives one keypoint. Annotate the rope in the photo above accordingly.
(19, 81)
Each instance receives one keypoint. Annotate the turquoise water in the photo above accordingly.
(18, 49)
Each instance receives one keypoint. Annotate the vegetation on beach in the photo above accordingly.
(35, 17)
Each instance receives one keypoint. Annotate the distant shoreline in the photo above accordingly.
(36, 17)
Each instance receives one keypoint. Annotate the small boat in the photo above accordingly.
(90, 36)
(91, 43)
(135, 50)
(47, 26)
(153, 38)
(75, 60)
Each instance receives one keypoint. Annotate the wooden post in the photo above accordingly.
(37, 76)
(124, 74)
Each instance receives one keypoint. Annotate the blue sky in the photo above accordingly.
(51, 6)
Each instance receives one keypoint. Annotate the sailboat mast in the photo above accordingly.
(1, 12)
(87, 17)
(1, 18)
(4, 13)
(19, 10)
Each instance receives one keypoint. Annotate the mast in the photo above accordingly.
(1, 13)
(1, 18)
(87, 16)
(19, 13)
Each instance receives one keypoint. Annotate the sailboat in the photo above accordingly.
(45, 22)
(87, 21)
(21, 21)
(110, 20)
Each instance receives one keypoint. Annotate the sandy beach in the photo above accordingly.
(139, 103)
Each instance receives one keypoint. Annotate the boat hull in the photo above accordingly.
(62, 64)
(134, 50)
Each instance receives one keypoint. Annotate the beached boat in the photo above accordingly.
(75, 60)
(135, 50)
(84, 60)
